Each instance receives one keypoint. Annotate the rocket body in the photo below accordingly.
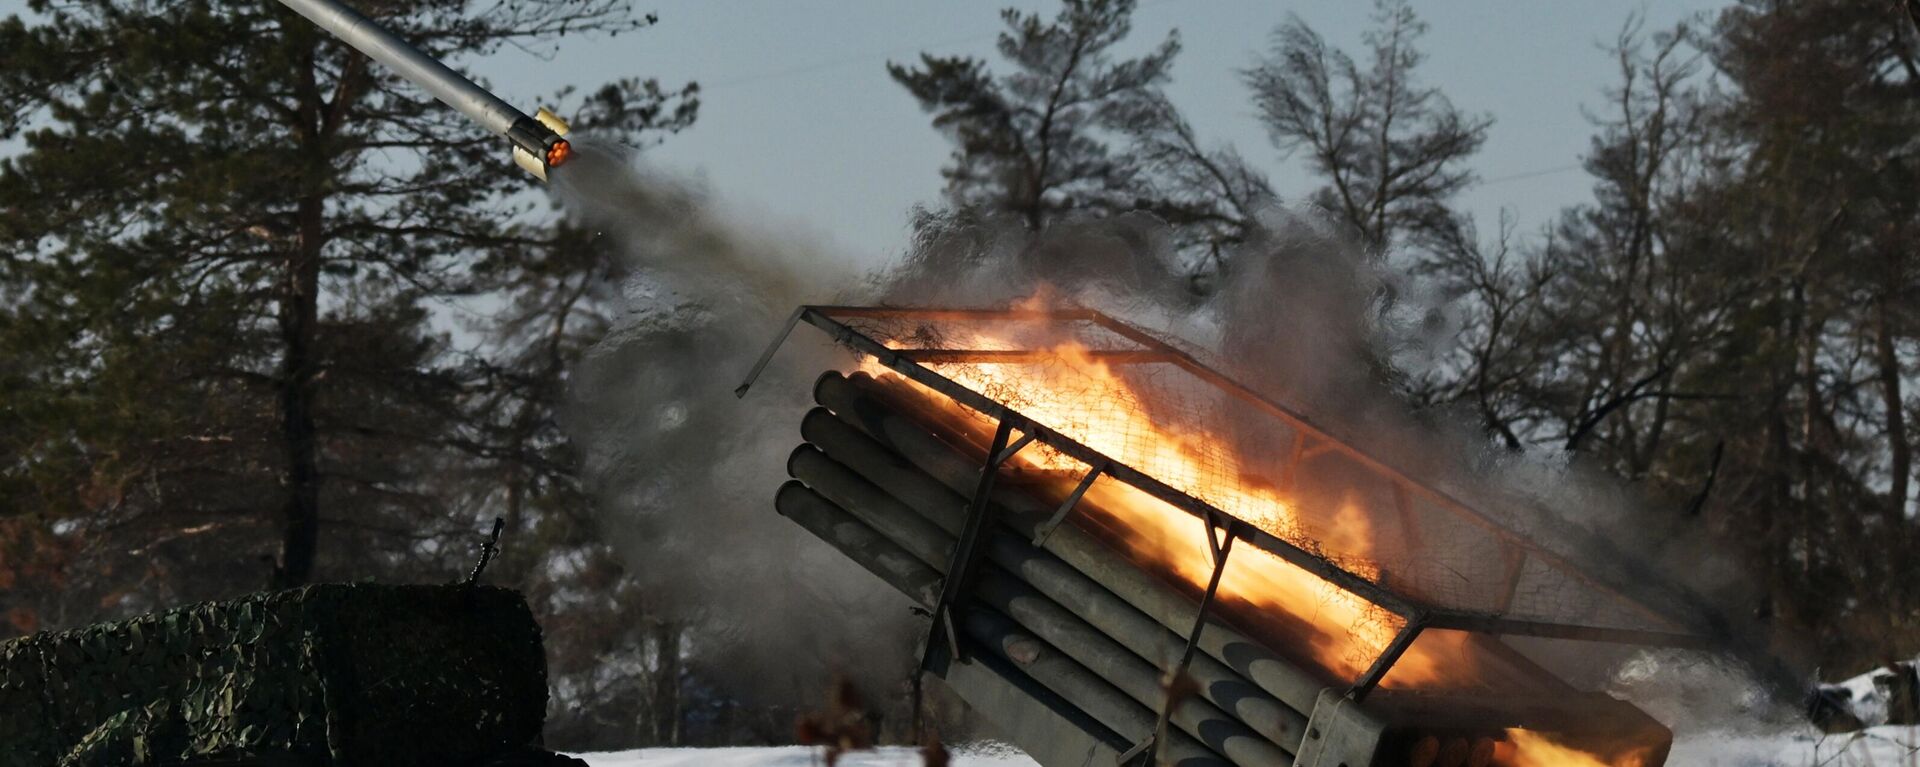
(537, 142)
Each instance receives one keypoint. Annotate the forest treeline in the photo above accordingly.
(268, 316)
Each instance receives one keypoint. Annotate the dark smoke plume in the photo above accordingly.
(686, 472)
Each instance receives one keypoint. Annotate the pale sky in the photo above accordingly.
(800, 124)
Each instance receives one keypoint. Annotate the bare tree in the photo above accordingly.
(1390, 150)
(1209, 194)
(1632, 307)
(1494, 363)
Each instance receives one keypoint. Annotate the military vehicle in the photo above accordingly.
(341, 675)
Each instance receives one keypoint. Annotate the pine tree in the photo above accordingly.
(1816, 221)
(230, 242)
(1037, 142)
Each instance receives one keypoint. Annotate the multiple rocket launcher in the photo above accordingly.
(538, 142)
(1076, 620)
(1270, 718)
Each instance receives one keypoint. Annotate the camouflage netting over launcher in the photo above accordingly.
(357, 674)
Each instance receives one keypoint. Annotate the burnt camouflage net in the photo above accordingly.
(1138, 398)
(359, 674)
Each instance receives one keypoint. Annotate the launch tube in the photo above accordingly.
(986, 628)
(539, 138)
(1056, 579)
(1000, 589)
(853, 401)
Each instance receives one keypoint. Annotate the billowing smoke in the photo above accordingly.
(687, 472)
(684, 470)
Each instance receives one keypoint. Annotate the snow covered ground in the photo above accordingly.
(1803, 746)
(1875, 747)
(800, 756)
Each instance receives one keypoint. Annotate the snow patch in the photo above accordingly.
(1878, 746)
(1864, 696)
(981, 755)
(1891, 746)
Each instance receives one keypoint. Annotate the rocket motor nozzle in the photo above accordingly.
(538, 145)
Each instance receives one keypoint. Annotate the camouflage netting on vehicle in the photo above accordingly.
(344, 675)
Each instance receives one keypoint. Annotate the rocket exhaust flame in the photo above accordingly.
(559, 153)
(1123, 456)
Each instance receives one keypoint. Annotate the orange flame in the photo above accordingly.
(1342, 632)
(1528, 749)
(1337, 630)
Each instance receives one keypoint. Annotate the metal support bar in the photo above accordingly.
(1221, 548)
(991, 408)
(1045, 529)
(897, 360)
(1220, 551)
(965, 559)
(1493, 624)
(1290, 474)
(1002, 456)
(767, 356)
(1145, 746)
(1017, 356)
(1381, 665)
(1516, 565)
(900, 312)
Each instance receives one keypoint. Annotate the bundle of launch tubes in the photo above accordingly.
(897, 507)
(1079, 654)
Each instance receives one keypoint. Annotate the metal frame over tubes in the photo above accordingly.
(1314, 438)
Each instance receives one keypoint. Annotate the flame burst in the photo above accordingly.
(1339, 632)
(1526, 747)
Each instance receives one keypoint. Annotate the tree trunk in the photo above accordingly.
(1811, 447)
(299, 320)
(1647, 453)
(1887, 357)
(1780, 465)
(666, 682)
